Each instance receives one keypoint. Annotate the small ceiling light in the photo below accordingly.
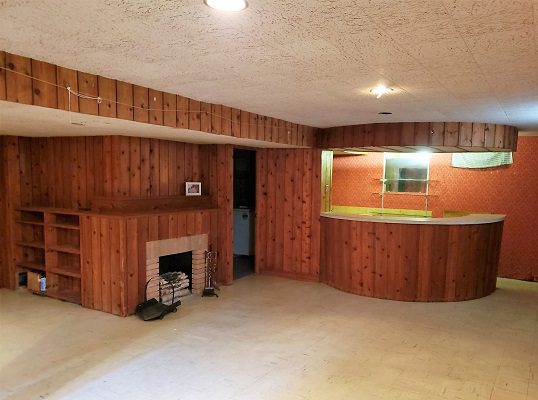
(380, 90)
(227, 5)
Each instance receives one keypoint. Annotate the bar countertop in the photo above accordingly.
(471, 219)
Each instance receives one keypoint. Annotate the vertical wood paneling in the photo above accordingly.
(260, 128)
(145, 175)
(261, 209)
(169, 104)
(154, 164)
(226, 120)
(141, 104)
(479, 135)
(164, 168)
(65, 78)
(268, 134)
(465, 134)
(18, 79)
(410, 262)
(182, 115)
(87, 85)
(131, 264)
(446, 135)
(216, 119)
(2, 75)
(86, 262)
(288, 200)
(205, 117)
(422, 134)
(155, 107)
(107, 92)
(437, 133)
(194, 115)
(288, 187)
(225, 213)
(236, 122)
(451, 134)
(489, 135)
(45, 93)
(124, 96)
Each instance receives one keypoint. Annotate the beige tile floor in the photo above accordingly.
(270, 338)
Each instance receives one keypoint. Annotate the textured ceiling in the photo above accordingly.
(311, 62)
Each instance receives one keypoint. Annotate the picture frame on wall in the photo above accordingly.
(193, 188)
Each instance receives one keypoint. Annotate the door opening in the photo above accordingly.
(244, 183)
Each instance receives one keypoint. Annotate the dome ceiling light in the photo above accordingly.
(227, 5)
(380, 90)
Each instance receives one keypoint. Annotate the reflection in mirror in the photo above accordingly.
(408, 172)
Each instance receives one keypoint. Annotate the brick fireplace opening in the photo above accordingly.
(196, 244)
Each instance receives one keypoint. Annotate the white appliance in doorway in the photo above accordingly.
(243, 231)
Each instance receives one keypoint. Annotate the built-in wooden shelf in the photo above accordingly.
(27, 222)
(64, 271)
(65, 226)
(30, 265)
(50, 239)
(64, 248)
(35, 245)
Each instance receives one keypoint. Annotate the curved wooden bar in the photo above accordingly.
(412, 259)
(401, 136)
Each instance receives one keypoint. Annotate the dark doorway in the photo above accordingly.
(244, 211)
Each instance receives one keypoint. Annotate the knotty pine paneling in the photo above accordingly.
(2, 75)
(113, 254)
(287, 212)
(69, 172)
(10, 199)
(410, 262)
(131, 102)
(445, 136)
(4, 269)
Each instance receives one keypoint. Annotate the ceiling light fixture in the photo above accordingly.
(227, 5)
(380, 90)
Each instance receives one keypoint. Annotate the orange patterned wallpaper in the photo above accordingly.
(510, 190)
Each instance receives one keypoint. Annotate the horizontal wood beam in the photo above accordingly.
(27, 81)
(409, 136)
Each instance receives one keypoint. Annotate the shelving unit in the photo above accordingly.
(426, 194)
(50, 244)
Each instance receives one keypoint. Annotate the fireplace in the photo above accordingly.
(178, 262)
(194, 245)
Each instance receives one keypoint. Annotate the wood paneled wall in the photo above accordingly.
(4, 276)
(22, 80)
(68, 172)
(10, 199)
(114, 254)
(410, 262)
(287, 212)
(444, 136)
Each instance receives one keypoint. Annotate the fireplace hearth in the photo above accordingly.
(195, 245)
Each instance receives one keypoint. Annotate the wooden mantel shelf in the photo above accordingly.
(134, 205)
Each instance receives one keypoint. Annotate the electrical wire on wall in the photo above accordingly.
(100, 100)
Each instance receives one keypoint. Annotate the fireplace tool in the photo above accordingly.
(153, 308)
(210, 272)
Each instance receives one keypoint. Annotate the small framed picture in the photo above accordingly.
(193, 188)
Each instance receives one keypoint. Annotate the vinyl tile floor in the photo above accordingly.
(271, 338)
